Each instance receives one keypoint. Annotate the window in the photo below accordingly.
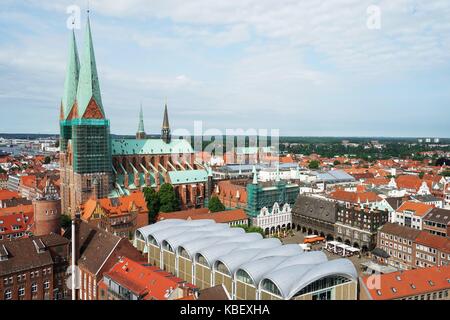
(21, 291)
(8, 294)
(46, 284)
(34, 287)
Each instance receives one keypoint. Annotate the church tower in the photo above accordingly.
(85, 133)
(165, 131)
(140, 134)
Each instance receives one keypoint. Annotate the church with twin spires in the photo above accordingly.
(94, 164)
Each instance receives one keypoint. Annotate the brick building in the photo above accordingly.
(437, 222)
(90, 158)
(121, 216)
(410, 248)
(315, 215)
(34, 268)
(97, 252)
(357, 225)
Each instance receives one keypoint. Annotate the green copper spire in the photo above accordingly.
(141, 121)
(72, 73)
(166, 118)
(88, 85)
(165, 131)
(140, 134)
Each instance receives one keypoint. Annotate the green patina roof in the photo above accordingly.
(88, 85)
(188, 176)
(149, 146)
(72, 73)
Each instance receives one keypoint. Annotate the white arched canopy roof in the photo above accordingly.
(256, 269)
(194, 233)
(312, 257)
(292, 279)
(192, 247)
(247, 252)
(143, 232)
(284, 251)
(161, 235)
(212, 253)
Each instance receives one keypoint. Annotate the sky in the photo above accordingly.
(305, 67)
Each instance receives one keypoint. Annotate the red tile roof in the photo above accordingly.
(430, 240)
(21, 216)
(28, 181)
(203, 213)
(123, 205)
(147, 281)
(354, 197)
(420, 209)
(7, 194)
(409, 283)
(410, 182)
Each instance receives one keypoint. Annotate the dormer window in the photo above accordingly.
(3, 253)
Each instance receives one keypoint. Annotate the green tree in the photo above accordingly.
(249, 229)
(168, 201)
(214, 204)
(66, 222)
(421, 174)
(47, 160)
(2, 170)
(314, 164)
(445, 173)
(152, 200)
(336, 162)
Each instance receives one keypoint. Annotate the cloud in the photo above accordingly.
(245, 61)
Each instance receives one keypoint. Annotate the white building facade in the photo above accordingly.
(274, 220)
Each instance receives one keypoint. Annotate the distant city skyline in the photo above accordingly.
(307, 68)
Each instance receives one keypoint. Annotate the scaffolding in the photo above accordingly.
(65, 129)
(91, 143)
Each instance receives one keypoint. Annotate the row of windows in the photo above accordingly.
(23, 277)
(396, 246)
(395, 238)
(430, 296)
(21, 290)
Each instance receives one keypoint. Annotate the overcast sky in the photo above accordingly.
(303, 67)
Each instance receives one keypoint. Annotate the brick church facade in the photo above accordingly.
(94, 164)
